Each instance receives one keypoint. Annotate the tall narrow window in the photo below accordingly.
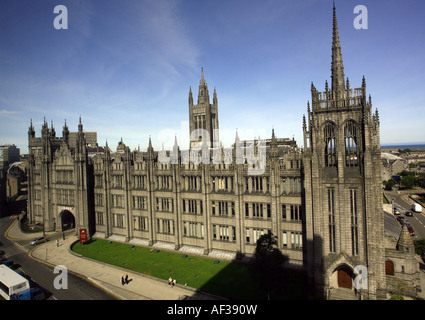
(331, 212)
(351, 149)
(354, 218)
(330, 149)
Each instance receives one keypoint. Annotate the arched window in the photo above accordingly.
(330, 148)
(351, 148)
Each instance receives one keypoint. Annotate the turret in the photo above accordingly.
(190, 97)
(65, 133)
(45, 129)
(215, 101)
(31, 132)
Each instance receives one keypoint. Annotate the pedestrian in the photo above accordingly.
(174, 282)
(126, 279)
(169, 281)
(122, 280)
(57, 242)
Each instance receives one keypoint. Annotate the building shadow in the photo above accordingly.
(243, 279)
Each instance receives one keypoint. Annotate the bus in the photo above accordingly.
(13, 286)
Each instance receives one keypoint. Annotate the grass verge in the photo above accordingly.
(222, 278)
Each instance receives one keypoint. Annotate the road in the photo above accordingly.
(417, 221)
(42, 274)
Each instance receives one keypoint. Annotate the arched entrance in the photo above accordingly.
(67, 220)
(344, 276)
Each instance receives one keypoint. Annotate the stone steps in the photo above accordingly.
(342, 294)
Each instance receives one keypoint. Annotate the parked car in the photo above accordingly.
(400, 219)
(8, 263)
(409, 214)
(37, 294)
(411, 231)
(2, 252)
(38, 241)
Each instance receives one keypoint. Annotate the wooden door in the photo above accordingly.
(344, 279)
(389, 268)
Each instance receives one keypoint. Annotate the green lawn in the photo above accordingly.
(217, 277)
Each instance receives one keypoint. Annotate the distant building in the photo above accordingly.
(16, 175)
(9, 154)
(391, 165)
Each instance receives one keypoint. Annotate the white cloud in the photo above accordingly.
(5, 113)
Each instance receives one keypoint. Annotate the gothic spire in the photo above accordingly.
(80, 126)
(202, 75)
(337, 69)
(150, 148)
(65, 133)
(203, 94)
(31, 131)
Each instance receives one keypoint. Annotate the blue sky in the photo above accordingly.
(126, 66)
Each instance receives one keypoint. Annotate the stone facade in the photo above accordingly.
(323, 202)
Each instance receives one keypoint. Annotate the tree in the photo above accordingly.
(389, 184)
(407, 150)
(408, 181)
(421, 180)
(420, 247)
(267, 247)
(268, 263)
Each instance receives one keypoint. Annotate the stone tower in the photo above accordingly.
(203, 117)
(343, 197)
(59, 180)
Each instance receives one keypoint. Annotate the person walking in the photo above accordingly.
(57, 242)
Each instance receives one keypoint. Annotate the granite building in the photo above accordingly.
(323, 202)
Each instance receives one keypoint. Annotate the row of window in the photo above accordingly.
(225, 233)
(65, 197)
(141, 166)
(194, 183)
(253, 210)
(64, 176)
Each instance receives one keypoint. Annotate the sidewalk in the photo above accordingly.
(106, 276)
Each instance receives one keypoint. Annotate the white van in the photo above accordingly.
(417, 207)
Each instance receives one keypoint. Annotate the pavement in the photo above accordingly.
(105, 276)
